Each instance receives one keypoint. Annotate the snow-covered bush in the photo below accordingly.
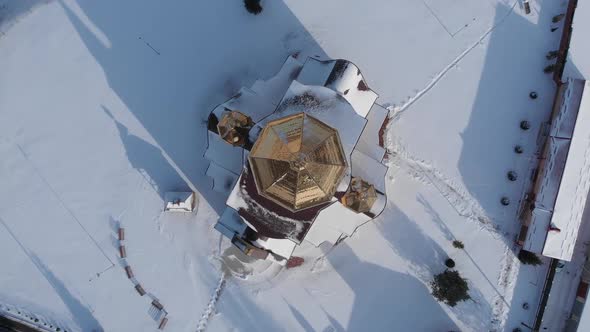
(450, 263)
(549, 69)
(449, 287)
(458, 244)
(529, 258)
(253, 6)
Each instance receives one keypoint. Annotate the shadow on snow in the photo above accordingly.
(80, 313)
(170, 65)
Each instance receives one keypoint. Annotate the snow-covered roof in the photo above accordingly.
(180, 201)
(274, 89)
(378, 206)
(551, 172)
(249, 103)
(331, 108)
(325, 105)
(569, 98)
(223, 180)
(230, 223)
(537, 232)
(346, 78)
(315, 72)
(282, 247)
(574, 188)
(343, 77)
(341, 218)
(584, 324)
(578, 60)
(369, 141)
(223, 154)
(320, 233)
(369, 170)
(266, 217)
(333, 92)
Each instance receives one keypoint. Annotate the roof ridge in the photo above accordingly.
(312, 179)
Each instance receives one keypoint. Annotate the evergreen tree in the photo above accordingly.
(450, 263)
(458, 244)
(529, 258)
(253, 6)
(450, 288)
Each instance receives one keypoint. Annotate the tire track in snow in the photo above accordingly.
(398, 111)
(457, 197)
(506, 279)
(202, 326)
(466, 206)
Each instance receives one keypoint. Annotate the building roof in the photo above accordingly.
(578, 58)
(369, 141)
(297, 161)
(265, 216)
(343, 77)
(569, 97)
(360, 196)
(574, 188)
(332, 93)
(537, 232)
(552, 172)
(233, 127)
(179, 201)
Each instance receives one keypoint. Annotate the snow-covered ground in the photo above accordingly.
(103, 107)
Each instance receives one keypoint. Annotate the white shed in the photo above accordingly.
(180, 201)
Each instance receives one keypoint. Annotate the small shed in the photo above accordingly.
(180, 201)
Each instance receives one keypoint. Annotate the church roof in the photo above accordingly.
(297, 161)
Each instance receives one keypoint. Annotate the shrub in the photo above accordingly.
(549, 69)
(449, 287)
(458, 244)
(529, 258)
(450, 263)
(552, 55)
(557, 18)
(253, 6)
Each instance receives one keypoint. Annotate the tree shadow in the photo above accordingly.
(406, 239)
(386, 300)
(241, 311)
(11, 11)
(82, 316)
(170, 64)
(426, 258)
(436, 218)
(149, 161)
(307, 327)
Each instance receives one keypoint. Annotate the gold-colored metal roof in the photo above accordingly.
(297, 161)
(233, 127)
(360, 196)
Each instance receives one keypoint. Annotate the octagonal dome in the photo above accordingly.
(233, 127)
(297, 161)
(360, 196)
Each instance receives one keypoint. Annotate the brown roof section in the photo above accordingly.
(270, 219)
(360, 196)
(297, 162)
(233, 127)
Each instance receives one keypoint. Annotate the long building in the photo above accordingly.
(555, 220)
